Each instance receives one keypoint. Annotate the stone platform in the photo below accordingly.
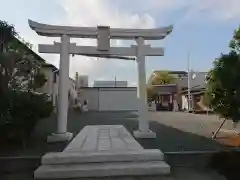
(102, 151)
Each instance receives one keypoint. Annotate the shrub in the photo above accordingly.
(20, 111)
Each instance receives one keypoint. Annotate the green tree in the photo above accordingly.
(7, 32)
(159, 78)
(20, 75)
(223, 83)
(235, 42)
(162, 77)
(223, 86)
(19, 113)
(19, 69)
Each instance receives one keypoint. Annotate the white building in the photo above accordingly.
(81, 80)
(51, 86)
(110, 84)
(109, 98)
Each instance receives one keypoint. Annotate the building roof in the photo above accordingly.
(47, 65)
(110, 83)
(165, 85)
(171, 72)
(197, 81)
(178, 72)
(30, 50)
(128, 87)
(55, 69)
(193, 90)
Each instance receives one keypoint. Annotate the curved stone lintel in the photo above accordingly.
(92, 32)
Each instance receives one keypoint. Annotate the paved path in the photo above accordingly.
(111, 138)
(102, 151)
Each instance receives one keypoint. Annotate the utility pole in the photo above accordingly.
(189, 83)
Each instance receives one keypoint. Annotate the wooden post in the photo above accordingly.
(221, 125)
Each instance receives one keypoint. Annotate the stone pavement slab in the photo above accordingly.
(102, 151)
(124, 156)
(103, 138)
(107, 169)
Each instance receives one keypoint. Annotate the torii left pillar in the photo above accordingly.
(143, 124)
(62, 110)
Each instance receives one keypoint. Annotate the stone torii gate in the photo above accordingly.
(103, 34)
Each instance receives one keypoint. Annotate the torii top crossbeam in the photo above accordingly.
(91, 32)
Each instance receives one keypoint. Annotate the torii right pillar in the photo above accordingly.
(143, 125)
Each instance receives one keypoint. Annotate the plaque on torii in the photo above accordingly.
(103, 34)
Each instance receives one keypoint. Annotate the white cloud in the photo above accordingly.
(93, 13)
(101, 79)
(220, 10)
(134, 14)
(88, 13)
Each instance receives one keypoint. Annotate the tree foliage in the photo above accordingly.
(159, 78)
(20, 111)
(7, 33)
(235, 42)
(223, 82)
(162, 77)
(19, 69)
(20, 75)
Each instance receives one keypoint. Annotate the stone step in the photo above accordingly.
(77, 158)
(101, 170)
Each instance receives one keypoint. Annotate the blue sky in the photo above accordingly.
(201, 27)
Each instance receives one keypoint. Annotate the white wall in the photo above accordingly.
(117, 99)
(109, 99)
(92, 95)
(82, 81)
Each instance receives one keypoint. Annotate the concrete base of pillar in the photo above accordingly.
(144, 134)
(60, 137)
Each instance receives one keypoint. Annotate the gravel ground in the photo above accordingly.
(169, 139)
(199, 124)
(174, 132)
